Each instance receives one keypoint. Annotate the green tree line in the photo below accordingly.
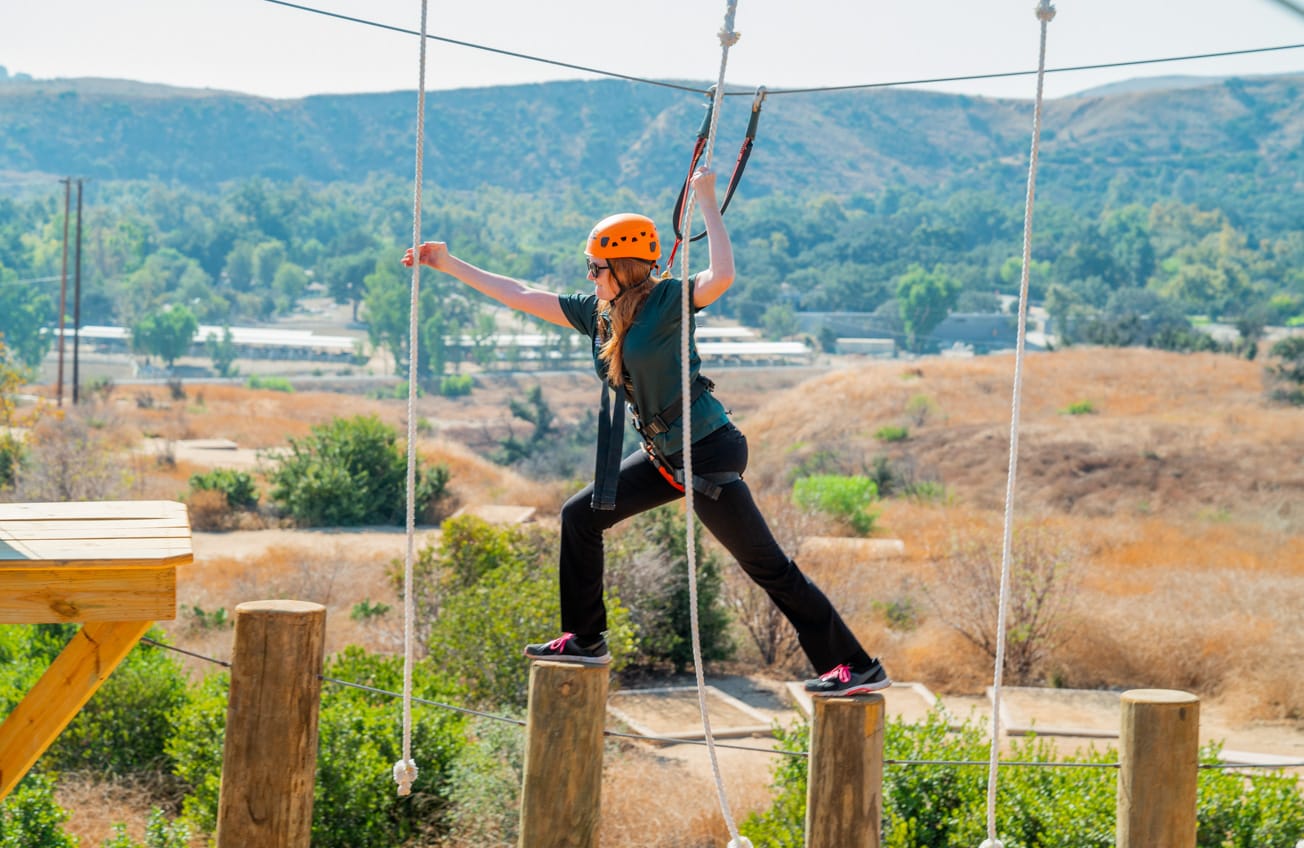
(253, 250)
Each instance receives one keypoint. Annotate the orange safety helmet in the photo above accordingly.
(624, 236)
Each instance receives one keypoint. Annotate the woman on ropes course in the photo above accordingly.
(633, 317)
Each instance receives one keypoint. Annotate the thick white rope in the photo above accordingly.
(1045, 14)
(728, 38)
(405, 770)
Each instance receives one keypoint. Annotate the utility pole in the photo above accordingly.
(76, 302)
(63, 284)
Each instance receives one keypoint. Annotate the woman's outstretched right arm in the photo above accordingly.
(506, 290)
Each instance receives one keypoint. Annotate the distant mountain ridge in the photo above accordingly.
(1211, 142)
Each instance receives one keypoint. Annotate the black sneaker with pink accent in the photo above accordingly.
(842, 681)
(567, 648)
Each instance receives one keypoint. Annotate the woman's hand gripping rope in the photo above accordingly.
(433, 253)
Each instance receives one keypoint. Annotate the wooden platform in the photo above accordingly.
(108, 565)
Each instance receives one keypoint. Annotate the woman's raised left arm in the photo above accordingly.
(719, 274)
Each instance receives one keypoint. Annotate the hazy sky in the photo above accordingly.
(258, 47)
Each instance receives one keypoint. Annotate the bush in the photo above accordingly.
(351, 472)
(159, 833)
(482, 628)
(939, 806)
(209, 510)
(1042, 590)
(892, 433)
(483, 594)
(274, 384)
(354, 801)
(238, 486)
(846, 498)
(649, 570)
(125, 727)
(31, 818)
(1081, 407)
(456, 385)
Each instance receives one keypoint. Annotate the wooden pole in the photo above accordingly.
(562, 787)
(844, 801)
(1159, 751)
(269, 762)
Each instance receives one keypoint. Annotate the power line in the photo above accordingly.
(811, 90)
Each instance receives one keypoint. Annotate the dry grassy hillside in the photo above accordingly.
(1178, 505)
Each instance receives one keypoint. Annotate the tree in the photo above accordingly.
(351, 472)
(166, 333)
(24, 313)
(1287, 373)
(223, 352)
(924, 298)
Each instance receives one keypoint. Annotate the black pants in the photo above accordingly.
(733, 519)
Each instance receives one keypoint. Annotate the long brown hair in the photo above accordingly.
(635, 280)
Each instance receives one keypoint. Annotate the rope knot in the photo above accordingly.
(728, 38)
(740, 842)
(995, 843)
(405, 774)
(1045, 12)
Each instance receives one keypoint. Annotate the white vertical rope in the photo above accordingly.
(405, 770)
(728, 38)
(1045, 14)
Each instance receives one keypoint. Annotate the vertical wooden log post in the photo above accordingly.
(1159, 751)
(844, 800)
(269, 762)
(562, 787)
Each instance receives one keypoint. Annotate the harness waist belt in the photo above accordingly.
(662, 421)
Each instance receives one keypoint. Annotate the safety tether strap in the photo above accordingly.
(1045, 14)
(611, 432)
(405, 770)
(740, 165)
(728, 37)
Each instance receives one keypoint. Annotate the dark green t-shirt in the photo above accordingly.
(652, 359)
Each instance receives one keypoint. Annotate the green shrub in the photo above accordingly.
(483, 594)
(365, 610)
(1081, 407)
(238, 486)
(274, 384)
(481, 630)
(31, 818)
(456, 385)
(354, 800)
(892, 433)
(351, 472)
(159, 833)
(126, 725)
(939, 806)
(844, 497)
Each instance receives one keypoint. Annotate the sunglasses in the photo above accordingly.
(595, 269)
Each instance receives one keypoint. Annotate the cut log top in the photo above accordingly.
(94, 534)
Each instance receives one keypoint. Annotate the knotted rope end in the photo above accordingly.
(991, 843)
(740, 842)
(405, 774)
(1045, 11)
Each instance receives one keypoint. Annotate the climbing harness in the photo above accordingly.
(744, 153)
(1045, 14)
(710, 484)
